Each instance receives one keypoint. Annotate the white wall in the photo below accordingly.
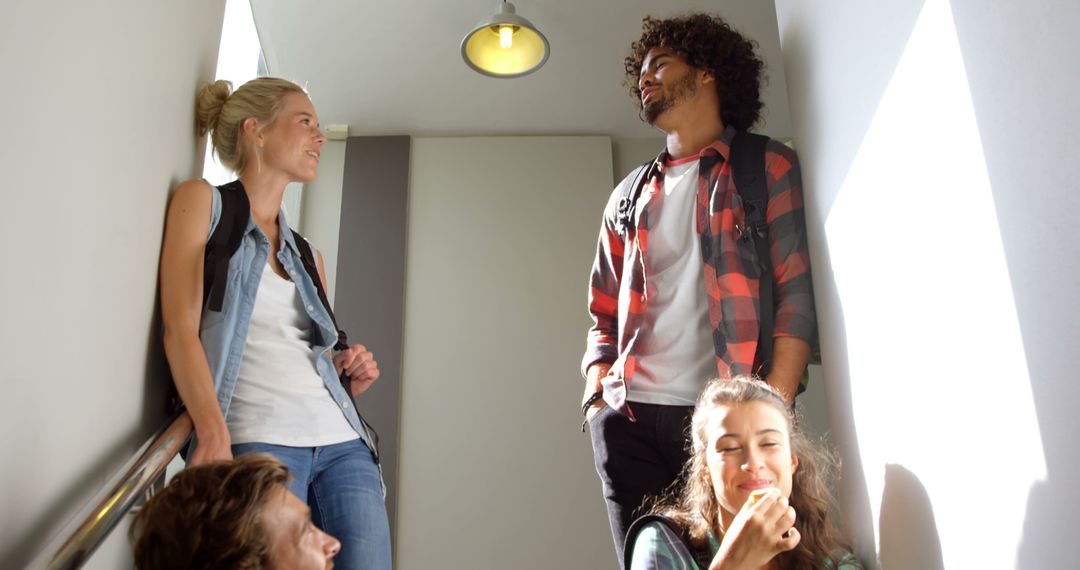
(495, 471)
(938, 141)
(321, 204)
(98, 128)
(629, 153)
(321, 219)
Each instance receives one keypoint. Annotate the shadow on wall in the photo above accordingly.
(909, 535)
(856, 516)
(1013, 55)
(1046, 528)
(828, 143)
(42, 534)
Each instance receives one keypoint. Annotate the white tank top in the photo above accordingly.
(280, 398)
(674, 349)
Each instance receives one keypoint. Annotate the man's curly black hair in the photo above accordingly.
(707, 43)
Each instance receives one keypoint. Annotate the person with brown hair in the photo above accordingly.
(686, 260)
(230, 515)
(755, 491)
(255, 355)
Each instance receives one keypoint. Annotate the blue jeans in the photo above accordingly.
(342, 486)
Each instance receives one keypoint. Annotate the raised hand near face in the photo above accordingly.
(763, 528)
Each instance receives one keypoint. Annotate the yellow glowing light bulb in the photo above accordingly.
(506, 37)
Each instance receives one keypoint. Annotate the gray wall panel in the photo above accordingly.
(369, 295)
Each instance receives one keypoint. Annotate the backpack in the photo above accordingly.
(223, 243)
(748, 171)
(678, 555)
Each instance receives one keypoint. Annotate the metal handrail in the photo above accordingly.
(147, 466)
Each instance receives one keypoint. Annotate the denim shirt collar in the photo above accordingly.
(285, 233)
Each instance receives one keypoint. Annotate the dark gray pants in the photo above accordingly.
(638, 460)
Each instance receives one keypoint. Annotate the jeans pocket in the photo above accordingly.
(602, 415)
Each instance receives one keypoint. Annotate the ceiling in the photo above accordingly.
(394, 67)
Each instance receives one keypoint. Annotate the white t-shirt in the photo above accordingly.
(674, 348)
(280, 398)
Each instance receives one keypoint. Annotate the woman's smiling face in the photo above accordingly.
(293, 142)
(747, 447)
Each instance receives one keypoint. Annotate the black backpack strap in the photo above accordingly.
(307, 258)
(748, 170)
(629, 192)
(223, 243)
(677, 536)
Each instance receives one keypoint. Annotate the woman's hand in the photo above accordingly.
(759, 532)
(212, 445)
(359, 365)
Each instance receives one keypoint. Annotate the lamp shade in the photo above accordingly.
(505, 45)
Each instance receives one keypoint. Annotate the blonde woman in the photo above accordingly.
(256, 366)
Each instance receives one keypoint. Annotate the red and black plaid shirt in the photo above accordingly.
(618, 295)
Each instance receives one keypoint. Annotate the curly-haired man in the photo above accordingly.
(230, 515)
(675, 288)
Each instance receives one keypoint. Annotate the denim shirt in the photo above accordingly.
(223, 334)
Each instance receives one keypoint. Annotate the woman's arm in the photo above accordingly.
(356, 361)
(186, 228)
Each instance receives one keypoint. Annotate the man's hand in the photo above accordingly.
(359, 365)
(594, 375)
(759, 532)
(790, 355)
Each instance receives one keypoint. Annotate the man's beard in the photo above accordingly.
(681, 89)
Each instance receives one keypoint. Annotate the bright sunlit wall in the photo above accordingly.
(933, 313)
(240, 59)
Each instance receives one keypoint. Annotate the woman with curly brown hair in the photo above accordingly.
(755, 493)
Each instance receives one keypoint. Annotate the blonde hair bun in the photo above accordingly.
(221, 112)
(208, 105)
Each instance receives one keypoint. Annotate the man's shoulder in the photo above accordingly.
(626, 185)
(779, 148)
(780, 155)
(632, 175)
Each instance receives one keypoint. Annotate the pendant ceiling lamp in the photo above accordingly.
(505, 45)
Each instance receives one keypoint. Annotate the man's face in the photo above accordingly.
(666, 81)
(295, 542)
